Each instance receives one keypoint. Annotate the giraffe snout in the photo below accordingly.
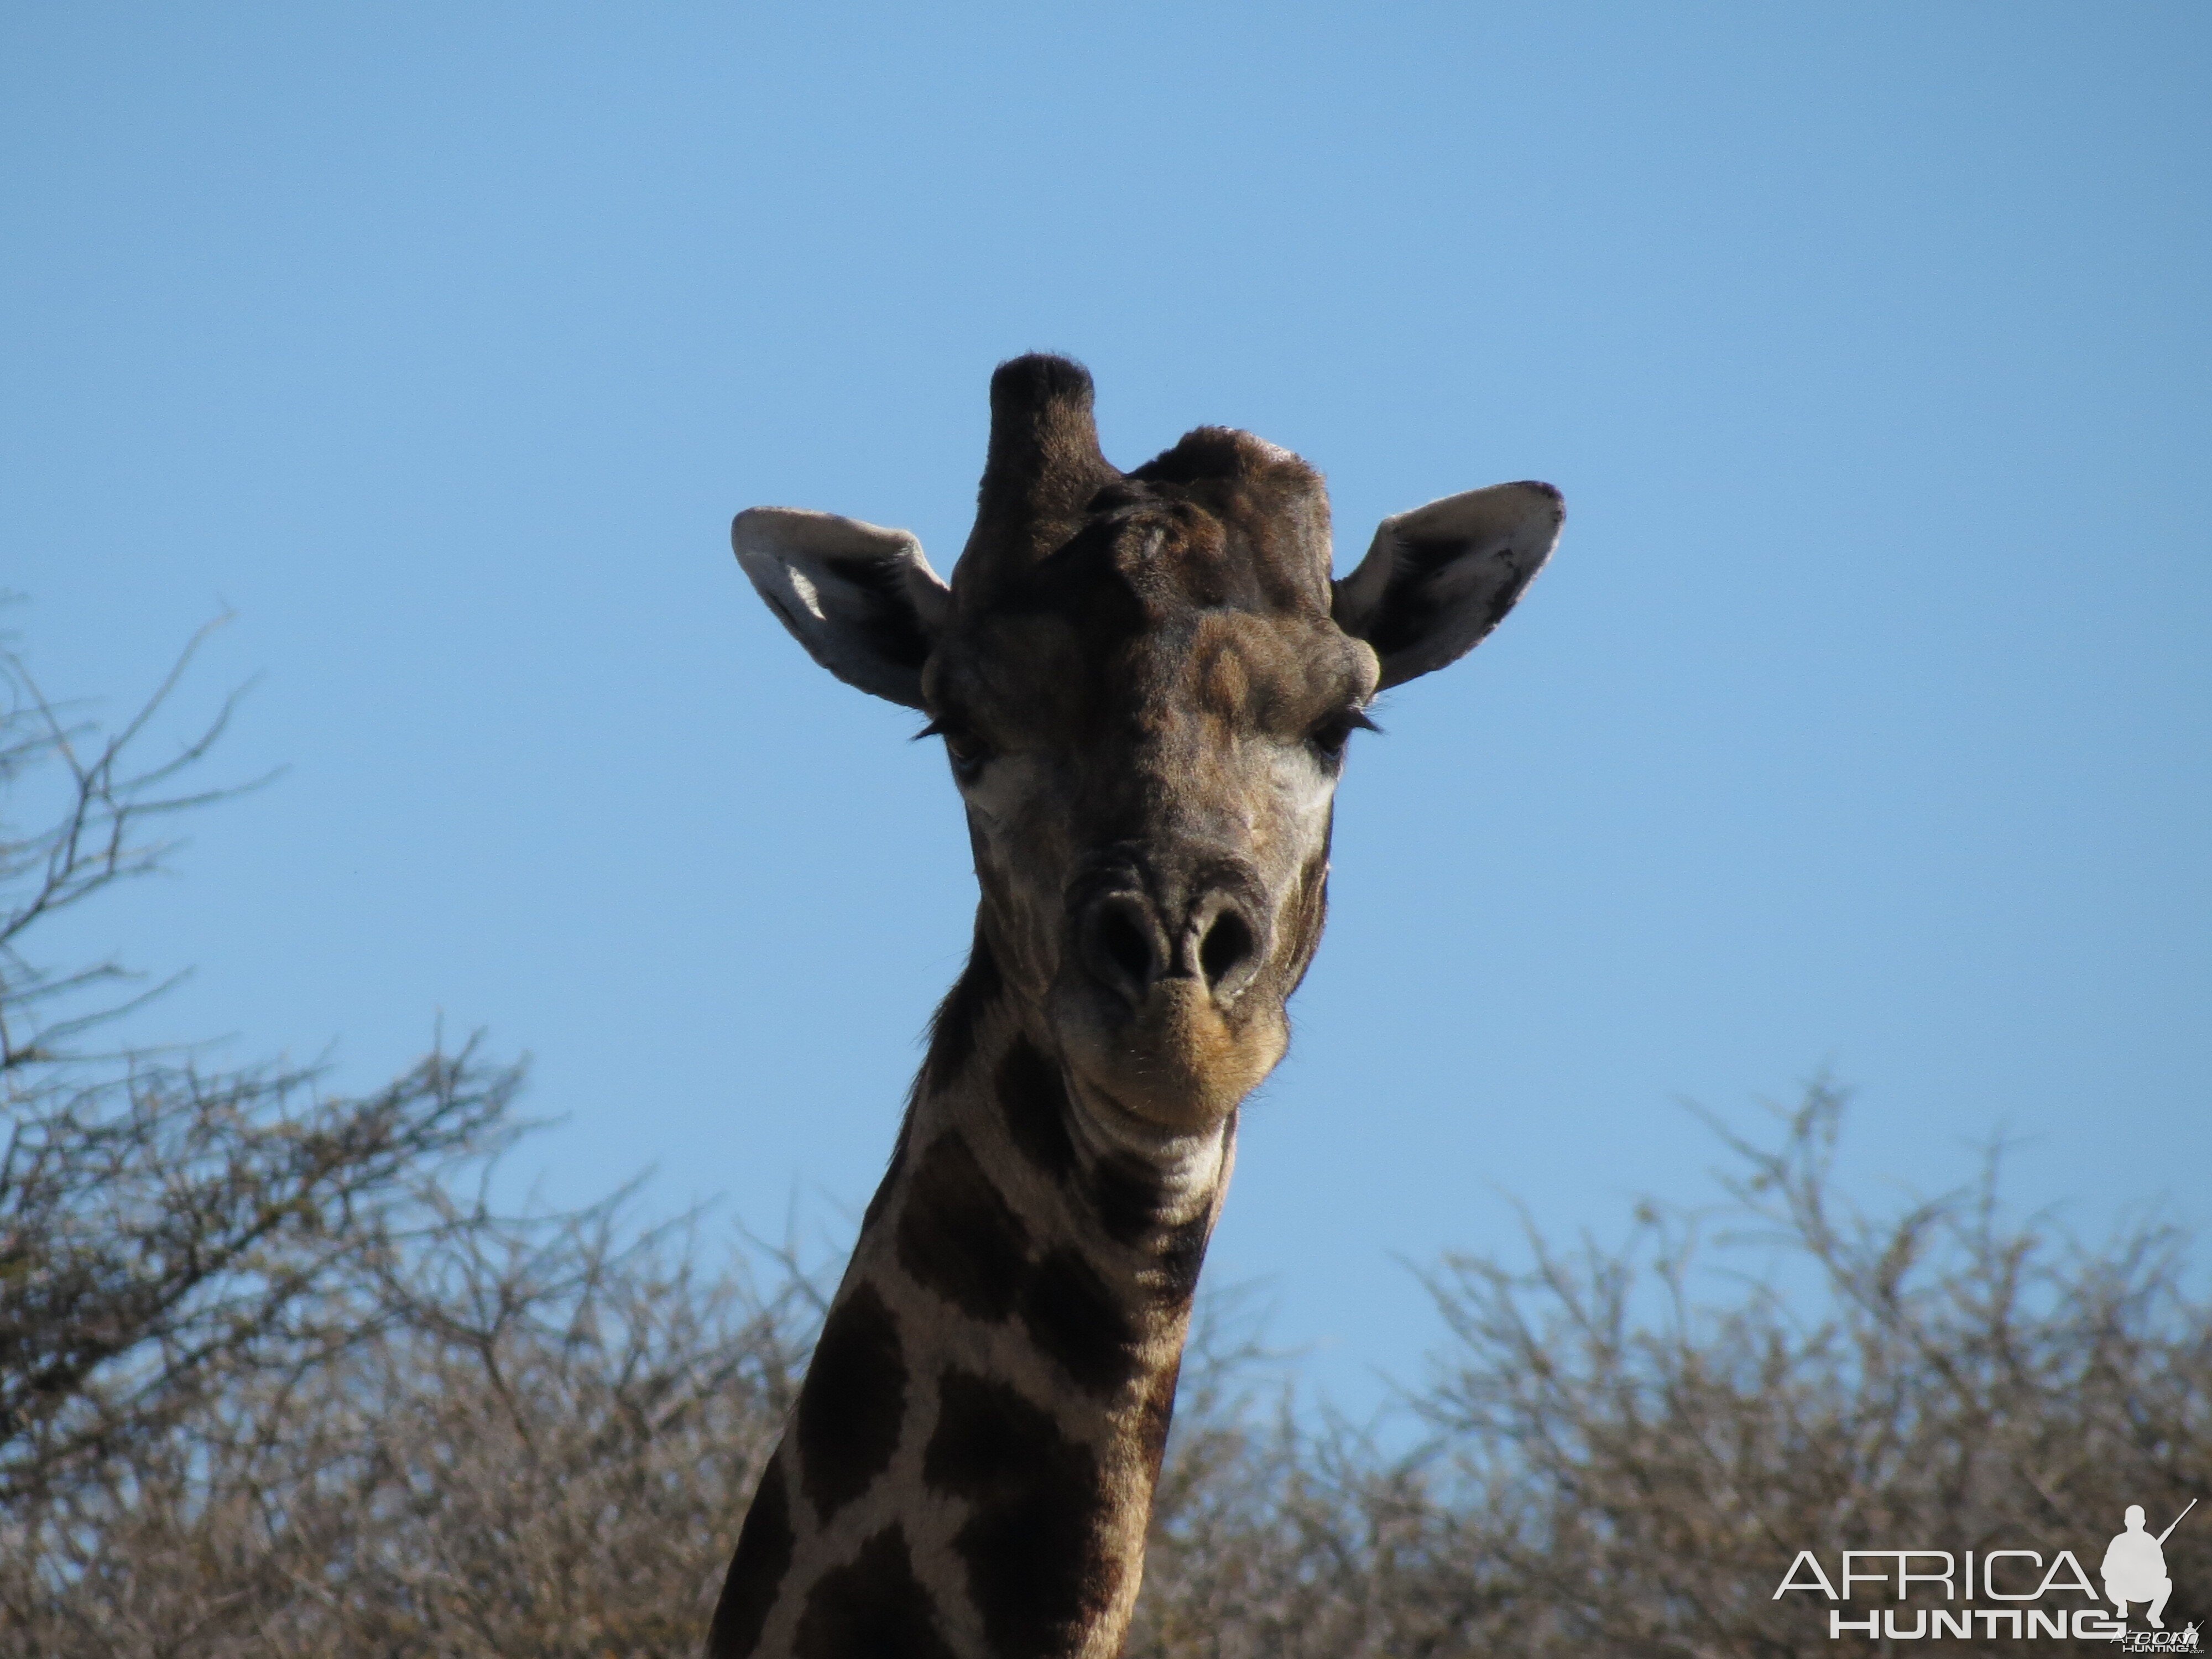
(1130, 941)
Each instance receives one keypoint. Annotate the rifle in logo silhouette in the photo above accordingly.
(2177, 1520)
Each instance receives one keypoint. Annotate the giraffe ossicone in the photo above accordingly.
(1145, 683)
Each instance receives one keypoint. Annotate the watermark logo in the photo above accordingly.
(2135, 1566)
(2160, 1641)
(2028, 1595)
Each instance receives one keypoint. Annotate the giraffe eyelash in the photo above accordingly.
(967, 752)
(1331, 734)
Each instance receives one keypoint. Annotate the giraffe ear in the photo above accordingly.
(862, 599)
(1439, 578)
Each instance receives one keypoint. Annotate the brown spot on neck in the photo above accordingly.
(854, 1396)
(1038, 1568)
(957, 1236)
(1033, 1102)
(757, 1571)
(873, 1606)
(1076, 1320)
(954, 1029)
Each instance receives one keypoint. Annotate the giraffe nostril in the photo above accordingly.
(1226, 947)
(1218, 943)
(1118, 944)
(1123, 941)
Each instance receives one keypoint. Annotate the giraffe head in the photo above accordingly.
(1145, 683)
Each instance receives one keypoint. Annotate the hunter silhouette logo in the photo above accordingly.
(2001, 1595)
(2135, 1567)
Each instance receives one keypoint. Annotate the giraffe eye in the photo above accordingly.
(1330, 736)
(969, 753)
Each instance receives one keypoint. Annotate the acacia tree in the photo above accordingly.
(1628, 1445)
(165, 1230)
(275, 1375)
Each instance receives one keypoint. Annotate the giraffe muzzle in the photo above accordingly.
(1131, 943)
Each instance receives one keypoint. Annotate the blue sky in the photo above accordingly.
(1863, 723)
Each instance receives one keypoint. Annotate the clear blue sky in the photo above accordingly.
(1864, 721)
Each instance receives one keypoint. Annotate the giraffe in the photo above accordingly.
(1145, 683)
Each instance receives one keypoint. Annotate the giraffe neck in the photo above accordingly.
(969, 1473)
